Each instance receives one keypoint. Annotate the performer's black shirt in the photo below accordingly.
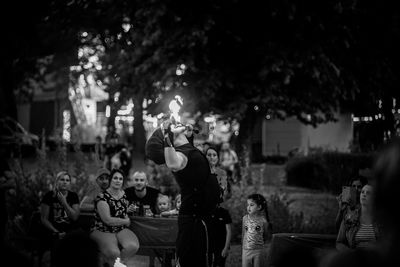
(191, 180)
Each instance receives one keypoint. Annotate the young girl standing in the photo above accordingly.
(256, 228)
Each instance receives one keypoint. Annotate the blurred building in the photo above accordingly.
(280, 137)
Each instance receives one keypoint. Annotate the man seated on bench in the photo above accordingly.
(140, 194)
(102, 183)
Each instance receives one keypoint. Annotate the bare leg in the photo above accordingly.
(129, 243)
(108, 244)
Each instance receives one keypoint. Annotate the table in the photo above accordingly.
(317, 244)
(156, 236)
(156, 233)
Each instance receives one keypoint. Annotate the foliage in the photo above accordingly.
(291, 58)
(240, 59)
(327, 171)
(31, 186)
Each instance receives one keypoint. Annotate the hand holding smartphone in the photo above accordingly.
(349, 195)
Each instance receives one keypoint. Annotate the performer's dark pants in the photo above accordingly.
(218, 260)
(191, 244)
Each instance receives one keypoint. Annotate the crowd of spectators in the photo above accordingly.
(366, 221)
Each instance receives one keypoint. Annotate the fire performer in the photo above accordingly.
(200, 191)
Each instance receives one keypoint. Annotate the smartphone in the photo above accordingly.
(349, 194)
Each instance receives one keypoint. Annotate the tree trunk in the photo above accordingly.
(244, 141)
(138, 127)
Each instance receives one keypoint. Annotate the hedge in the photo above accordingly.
(327, 171)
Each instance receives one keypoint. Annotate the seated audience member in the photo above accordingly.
(140, 194)
(173, 212)
(59, 208)
(359, 228)
(110, 229)
(357, 183)
(163, 204)
(102, 183)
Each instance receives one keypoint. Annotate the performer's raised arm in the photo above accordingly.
(174, 160)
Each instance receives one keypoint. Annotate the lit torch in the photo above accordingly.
(174, 107)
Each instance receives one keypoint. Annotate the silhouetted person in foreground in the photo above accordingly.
(12, 257)
(77, 249)
(297, 256)
(387, 174)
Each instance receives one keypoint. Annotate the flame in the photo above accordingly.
(174, 107)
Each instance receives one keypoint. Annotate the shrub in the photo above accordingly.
(306, 172)
(282, 219)
(326, 170)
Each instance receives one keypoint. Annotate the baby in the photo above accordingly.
(175, 211)
(163, 203)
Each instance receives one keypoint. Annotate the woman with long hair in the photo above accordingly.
(213, 159)
(359, 228)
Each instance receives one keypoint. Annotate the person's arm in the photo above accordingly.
(44, 218)
(104, 212)
(72, 211)
(225, 251)
(339, 216)
(169, 213)
(87, 204)
(174, 160)
(341, 240)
